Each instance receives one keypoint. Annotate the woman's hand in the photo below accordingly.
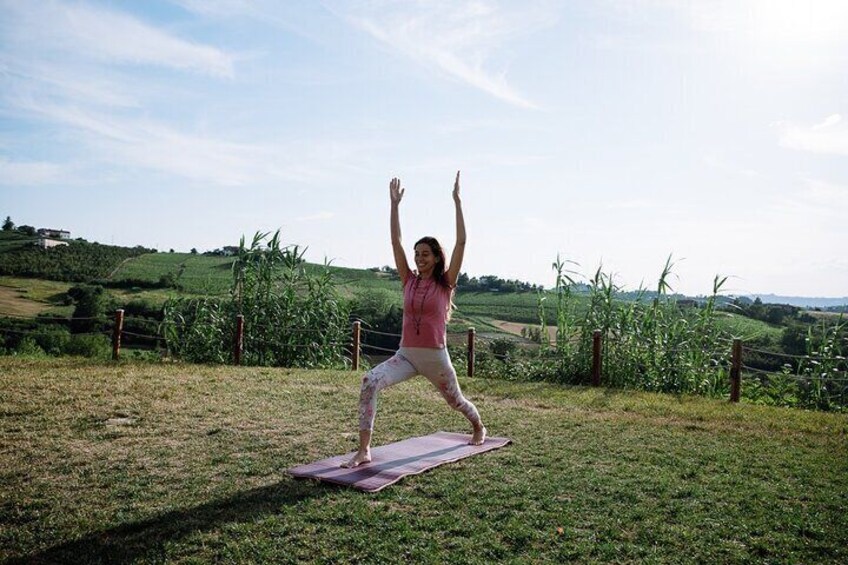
(452, 273)
(395, 191)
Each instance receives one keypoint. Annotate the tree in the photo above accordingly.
(194, 250)
(27, 230)
(90, 311)
(8, 225)
(793, 339)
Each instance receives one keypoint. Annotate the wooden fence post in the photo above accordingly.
(736, 371)
(471, 340)
(357, 325)
(596, 358)
(239, 344)
(116, 334)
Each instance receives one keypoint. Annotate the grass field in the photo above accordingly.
(30, 297)
(519, 307)
(14, 303)
(747, 328)
(198, 274)
(180, 463)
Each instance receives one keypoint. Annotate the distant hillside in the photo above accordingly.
(82, 261)
(800, 301)
(78, 261)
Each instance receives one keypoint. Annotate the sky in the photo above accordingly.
(613, 134)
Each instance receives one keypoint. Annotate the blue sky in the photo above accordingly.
(610, 132)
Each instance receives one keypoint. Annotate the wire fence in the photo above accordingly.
(375, 332)
(379, 349)
(136, 331)
(842, 375)
(819, 358)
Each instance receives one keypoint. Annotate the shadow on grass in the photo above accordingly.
(146, 540)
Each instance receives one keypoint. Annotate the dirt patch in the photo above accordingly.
(14, 303)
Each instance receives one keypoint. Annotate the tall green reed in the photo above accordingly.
(647, 344)
(292, 316)
(823, 382)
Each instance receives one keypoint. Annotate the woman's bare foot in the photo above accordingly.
(360, 458)
(479, 436)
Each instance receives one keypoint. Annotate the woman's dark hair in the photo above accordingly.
(439, 269)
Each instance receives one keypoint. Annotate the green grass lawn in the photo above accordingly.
(182, 463)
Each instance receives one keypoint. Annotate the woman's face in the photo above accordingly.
(425, 259)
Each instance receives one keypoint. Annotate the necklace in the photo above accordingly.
(416, 319)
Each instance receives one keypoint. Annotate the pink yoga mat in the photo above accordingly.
(390, 463)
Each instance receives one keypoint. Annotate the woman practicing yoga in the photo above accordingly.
(426, 308)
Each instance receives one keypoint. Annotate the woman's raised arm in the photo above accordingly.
(458, 248)
(396, 194)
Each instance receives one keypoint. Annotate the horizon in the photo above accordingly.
(579, 282)
(612, 134)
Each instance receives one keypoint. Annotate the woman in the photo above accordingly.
(427, 296)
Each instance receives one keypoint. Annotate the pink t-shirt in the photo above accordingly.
(425, 313)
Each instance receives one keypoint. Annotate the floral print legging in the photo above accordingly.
(434, 364)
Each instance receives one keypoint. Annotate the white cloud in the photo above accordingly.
(829, 121)
(305, 19)
(77, 84)
(57, 69)
(79, 30)
(539, 226)
(30, 173)
(459, 39)
(826, 137)
(825, 201)
(320, 216)
(219, 8)
(783, 20)
(828, 195)
(140, 142)
(719, 163)
(632, 204)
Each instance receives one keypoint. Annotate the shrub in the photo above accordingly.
(52, 339)
(29, 348)
(92, 346)
(503, 348)
(143, 309)
(380, 310)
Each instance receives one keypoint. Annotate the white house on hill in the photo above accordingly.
(55, 234)
(45, 243)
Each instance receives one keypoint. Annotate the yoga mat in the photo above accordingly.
(390, 463)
